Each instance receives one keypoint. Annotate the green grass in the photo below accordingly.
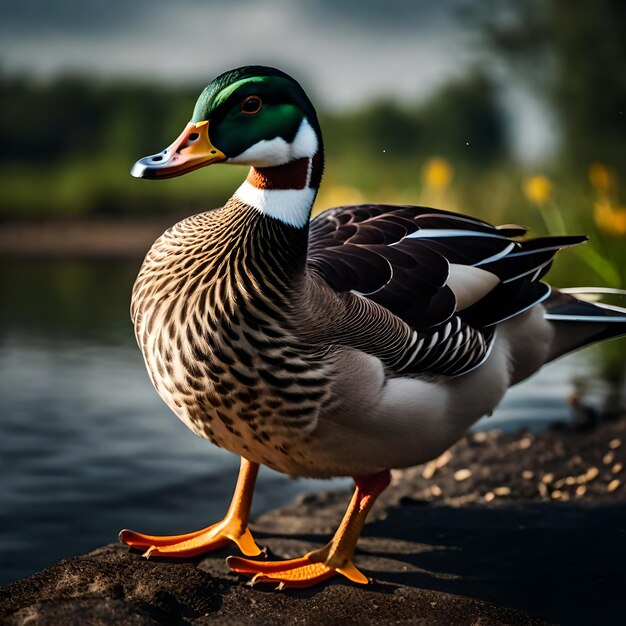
(103, 185)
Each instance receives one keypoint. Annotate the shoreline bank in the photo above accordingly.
(472, 537)
(96, 237)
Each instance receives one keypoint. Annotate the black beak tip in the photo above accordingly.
(146, 167)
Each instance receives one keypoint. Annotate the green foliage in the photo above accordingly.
(462, 113)
(574, 53)
(68, 145)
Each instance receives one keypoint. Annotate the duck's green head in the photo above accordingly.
(252, 115)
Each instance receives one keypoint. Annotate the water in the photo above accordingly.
(88, 448)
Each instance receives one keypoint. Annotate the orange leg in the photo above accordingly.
(234, 527)
(334, 558)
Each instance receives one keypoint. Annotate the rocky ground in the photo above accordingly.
(502, 529)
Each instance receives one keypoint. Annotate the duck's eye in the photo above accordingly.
(251, 105)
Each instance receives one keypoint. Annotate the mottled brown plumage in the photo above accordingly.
(217, 314)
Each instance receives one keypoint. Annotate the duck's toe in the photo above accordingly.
(195, 543)
(305, 571)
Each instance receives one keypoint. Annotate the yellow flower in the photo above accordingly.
(601, 177)
(609, 219)
(437, 173)
(537, 189)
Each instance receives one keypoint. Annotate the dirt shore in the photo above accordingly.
(502, 529)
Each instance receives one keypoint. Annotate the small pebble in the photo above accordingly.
(462, 474)
(525, 443)
(617, 468)
(429, 470)
(613, 485)
(581, 490)
(608, 458)
(502, 491)
(462, 500)
(443, 460)
(528, 475)
(547, 478)
(592, 473)
(543, 490)
(556, 494)
(480, 437)
(489, 496)
(614, 444)
(570, 480)
(435, 490)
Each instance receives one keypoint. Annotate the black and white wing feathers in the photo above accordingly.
(450, 278)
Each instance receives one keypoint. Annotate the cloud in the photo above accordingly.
(343, 52)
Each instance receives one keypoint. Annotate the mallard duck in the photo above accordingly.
(367, 339)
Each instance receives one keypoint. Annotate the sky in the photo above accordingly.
(349, 51)
(344, 52)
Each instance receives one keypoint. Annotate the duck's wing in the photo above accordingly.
(450, 278)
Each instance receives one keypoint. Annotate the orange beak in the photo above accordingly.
(191, 150)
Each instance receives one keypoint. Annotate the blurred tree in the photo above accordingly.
(75, 116)
(575, 53)
(69, 143)
(461, 121)
(464, 121)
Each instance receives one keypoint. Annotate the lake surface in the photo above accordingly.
(86, 445)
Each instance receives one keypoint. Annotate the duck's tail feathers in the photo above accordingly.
(584, 315)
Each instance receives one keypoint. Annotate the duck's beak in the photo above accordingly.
(191, 150)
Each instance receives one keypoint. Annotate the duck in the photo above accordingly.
(367, 339)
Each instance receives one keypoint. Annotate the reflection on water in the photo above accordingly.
(86, 445)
